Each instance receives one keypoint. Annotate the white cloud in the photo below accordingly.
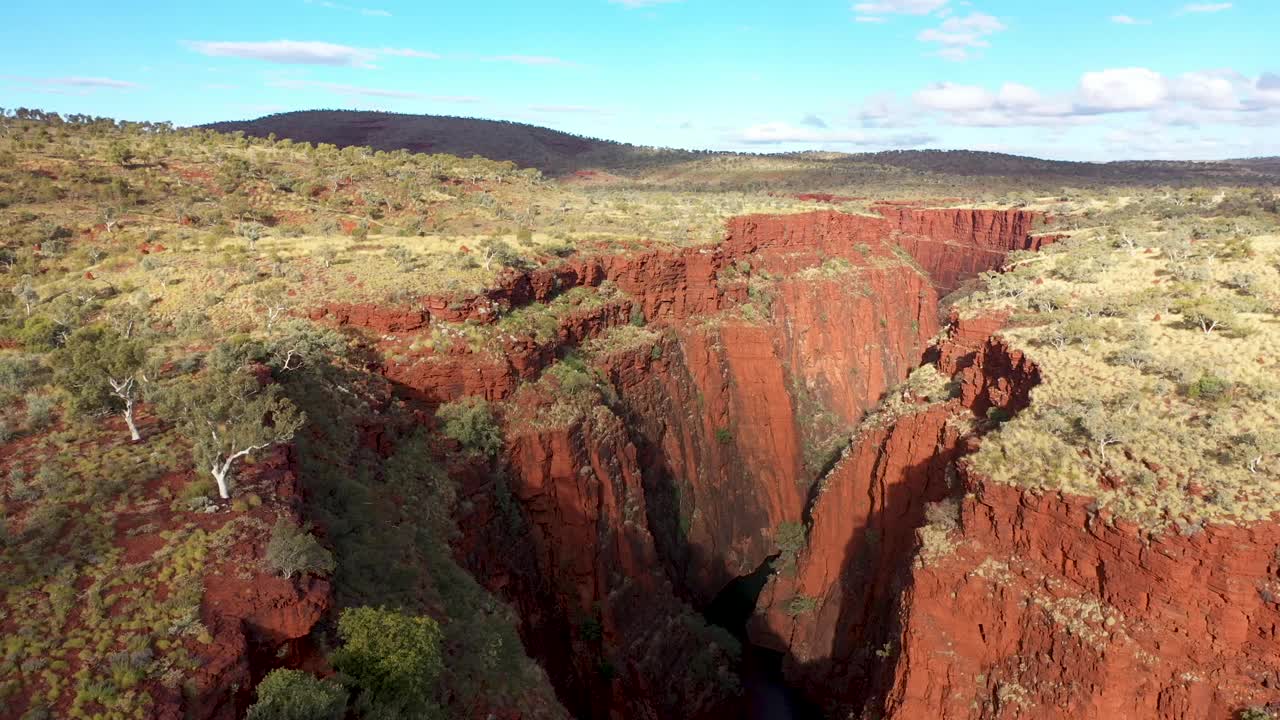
(1014, 95)
(1127, 20)
(1210, 97)
(957, 35)
(1210, 90)
(82, 85)
(1206, 7)
(91, 82)
(370, 12)
(813, 121)
(1122, 89)
(289, 52)
(886, 110)
(310, 52)
(781, 133)
(950, 97)
(410, 52)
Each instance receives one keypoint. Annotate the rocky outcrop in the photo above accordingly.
(256, 620)
(1048, 609)
(953, 245)
(1002, 603)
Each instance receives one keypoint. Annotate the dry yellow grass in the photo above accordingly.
(1191, 414)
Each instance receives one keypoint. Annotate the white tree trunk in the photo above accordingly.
(128, 419)
(124, 390)
(220, 477)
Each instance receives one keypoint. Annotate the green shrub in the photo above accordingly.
(571, 376)
(471, 422)
(39, 333)
(799, 605)
(296, 695)
(393, 659)
(1207, 314)
(18, 372)
(294, 551)
(724, 436)
(1209, 387)
(40, 411)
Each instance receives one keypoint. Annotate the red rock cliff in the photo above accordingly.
(790, 329)
(1049, 610)
(828, 609)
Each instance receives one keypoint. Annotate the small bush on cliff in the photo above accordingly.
(296, 695)
(799, 605)
(471, 422)
(393, 660)
(294, 551)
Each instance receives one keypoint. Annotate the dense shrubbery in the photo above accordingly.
(293, 550)
(393, 661)
(471, 422)
(296, 695)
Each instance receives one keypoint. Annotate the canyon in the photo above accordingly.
(732, 445)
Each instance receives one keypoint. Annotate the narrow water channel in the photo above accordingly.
(766, 693)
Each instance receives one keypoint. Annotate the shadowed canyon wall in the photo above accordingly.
(641, 510)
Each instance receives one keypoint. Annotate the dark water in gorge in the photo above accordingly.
(767, 694)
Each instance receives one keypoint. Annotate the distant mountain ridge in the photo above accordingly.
(551, 151)
(559, 153)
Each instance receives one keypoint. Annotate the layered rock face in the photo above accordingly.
(1047, 610)
(865, 517)
(1017, 605)
(643, 509)
(960, 243)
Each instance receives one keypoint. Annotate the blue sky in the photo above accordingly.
(1087, 80)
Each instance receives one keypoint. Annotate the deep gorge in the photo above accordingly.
(642, 512)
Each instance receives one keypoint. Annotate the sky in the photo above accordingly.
(1074, 80)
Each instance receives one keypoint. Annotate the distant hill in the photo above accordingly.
(971, 162)
(551, 151)
(559, 153)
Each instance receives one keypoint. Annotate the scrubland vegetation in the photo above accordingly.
(160, 381)
(1157, 328)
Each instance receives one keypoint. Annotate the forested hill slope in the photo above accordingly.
(550, 151)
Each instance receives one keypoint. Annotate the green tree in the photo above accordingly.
(119, 153)
(293, 550)
(227, 415)
(1252, 448)
(470, 421)
(394, 660)
(296, 695)
(24, 291)
(251, 231)
(102, 371)
(1208, 314)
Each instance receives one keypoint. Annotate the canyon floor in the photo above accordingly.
(906, 444)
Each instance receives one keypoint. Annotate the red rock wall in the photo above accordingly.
(953, 245)
(581, 491)
(1047, 610)
(864, 520)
